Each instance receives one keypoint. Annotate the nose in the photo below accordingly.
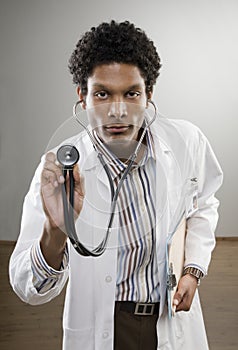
(117, 110)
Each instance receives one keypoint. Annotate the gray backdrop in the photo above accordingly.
(197, 42)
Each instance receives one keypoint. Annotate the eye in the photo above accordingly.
(133, 94)
(102, 95)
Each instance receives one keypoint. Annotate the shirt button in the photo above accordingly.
(108, 279)
(105, 335)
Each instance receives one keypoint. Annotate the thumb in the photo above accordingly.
(178, 297)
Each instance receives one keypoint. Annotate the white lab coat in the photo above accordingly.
(182, 153)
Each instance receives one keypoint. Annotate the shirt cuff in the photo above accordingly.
(44, 276)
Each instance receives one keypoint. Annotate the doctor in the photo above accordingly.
(118, 300)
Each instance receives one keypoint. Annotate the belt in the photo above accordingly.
(141, 309)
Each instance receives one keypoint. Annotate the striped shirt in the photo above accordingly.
(137, 270)
(44, 276)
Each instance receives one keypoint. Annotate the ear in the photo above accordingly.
(149, 96)
(81, 97)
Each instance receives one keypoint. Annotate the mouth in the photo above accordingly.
(117, 128)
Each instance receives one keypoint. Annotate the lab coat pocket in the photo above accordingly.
(178, 326)
(170, 332)
(79, 339)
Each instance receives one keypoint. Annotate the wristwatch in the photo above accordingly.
(194, 272)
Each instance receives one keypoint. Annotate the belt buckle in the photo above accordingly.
(144, 309)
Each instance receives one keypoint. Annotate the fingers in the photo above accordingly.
(184, 296)
(52, 177)
(52, 172)
(181, 302)
(178, 300)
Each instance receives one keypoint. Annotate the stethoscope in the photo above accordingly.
(68, 156)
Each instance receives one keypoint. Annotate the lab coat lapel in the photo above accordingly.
(168, 186)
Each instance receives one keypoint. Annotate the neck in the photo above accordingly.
(123, 150)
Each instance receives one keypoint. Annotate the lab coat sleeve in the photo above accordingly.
(200, 239)
(20, 265)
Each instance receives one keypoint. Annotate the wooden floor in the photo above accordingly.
(39, 327)
(219, 297)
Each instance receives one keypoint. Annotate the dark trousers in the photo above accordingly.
(133, 332)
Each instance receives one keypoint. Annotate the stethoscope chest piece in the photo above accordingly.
(68, 156)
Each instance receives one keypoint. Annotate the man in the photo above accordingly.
(118, 300)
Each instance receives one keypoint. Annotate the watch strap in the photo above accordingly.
(194, 272)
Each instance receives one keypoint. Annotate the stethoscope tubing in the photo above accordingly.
(69, 205)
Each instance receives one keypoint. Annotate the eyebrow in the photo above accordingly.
(103, 87)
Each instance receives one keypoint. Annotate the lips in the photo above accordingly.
(117, 128)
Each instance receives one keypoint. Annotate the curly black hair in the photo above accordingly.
(114, 42)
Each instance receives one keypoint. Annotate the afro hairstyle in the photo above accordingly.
(114, 43)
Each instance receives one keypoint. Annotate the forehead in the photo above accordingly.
(116, 75)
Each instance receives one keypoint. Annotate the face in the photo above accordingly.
(115, 101)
